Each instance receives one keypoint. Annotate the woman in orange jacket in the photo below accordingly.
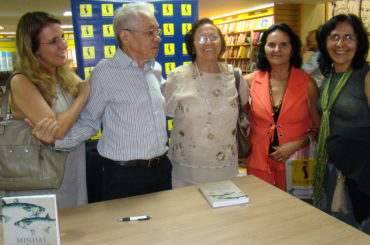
(283, 105)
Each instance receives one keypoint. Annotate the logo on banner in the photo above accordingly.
(88, 71)
(88, 52)
(108, 31)
(107, 10)
(169, 66)
(185, 28)
(186, 62)
(85, 10)
(109, 51)
(167, 9)
(184, 49)
(87, 31)
(169, 49)
(186, 9)
(168, 29)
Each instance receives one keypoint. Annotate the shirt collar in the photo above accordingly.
(123, 59)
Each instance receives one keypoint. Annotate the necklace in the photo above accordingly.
(276, 108)
(216, 93)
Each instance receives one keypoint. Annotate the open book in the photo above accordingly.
(223, 193)
(30, 220)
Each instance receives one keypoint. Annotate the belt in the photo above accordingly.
(147, 163)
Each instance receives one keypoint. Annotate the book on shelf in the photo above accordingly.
(257, 35)
(241, 38)
(223, 193)
(242, 52)
(30, 220)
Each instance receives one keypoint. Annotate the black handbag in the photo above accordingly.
(242, 132)
(25, 163)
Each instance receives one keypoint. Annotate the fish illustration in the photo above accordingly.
(4, 218)
(36, 223)
(35, 210)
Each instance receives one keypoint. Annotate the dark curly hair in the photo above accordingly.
(295, 59)
(359, 59)
(189, 37)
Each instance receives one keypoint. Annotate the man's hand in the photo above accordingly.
(44, 130)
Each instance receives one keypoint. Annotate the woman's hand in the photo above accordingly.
(84, 89)
(44, 130)
(284, 151)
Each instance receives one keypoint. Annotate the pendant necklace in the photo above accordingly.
(275, 109)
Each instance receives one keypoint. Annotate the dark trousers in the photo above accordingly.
(360, 201)
(125, 181)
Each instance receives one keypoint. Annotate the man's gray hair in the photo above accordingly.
(126, 16)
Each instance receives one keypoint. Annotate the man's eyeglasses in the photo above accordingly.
(335, 38)
(203, 39)
(56, 41)
(151, 33)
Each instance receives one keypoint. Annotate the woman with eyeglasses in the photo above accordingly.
(344, 138)
(283, 112)
(43, 86)
(201, 97)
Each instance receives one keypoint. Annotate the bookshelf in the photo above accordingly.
(243, 31)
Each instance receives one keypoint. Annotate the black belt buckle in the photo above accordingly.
(153, 161)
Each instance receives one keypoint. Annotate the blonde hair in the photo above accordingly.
(27, 40)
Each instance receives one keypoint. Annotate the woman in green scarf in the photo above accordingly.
(344, 137)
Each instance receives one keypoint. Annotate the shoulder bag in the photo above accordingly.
(25, 163)
(242, 134)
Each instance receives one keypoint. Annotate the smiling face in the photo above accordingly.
(278, 48)
(52, 50)
(342, 50)
(207, 43)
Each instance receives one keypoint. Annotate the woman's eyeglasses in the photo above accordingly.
(203, 39)
(335, 38)
(56, 41)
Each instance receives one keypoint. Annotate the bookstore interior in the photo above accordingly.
(242, 29)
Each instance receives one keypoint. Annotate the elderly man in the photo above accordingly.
(126, 100)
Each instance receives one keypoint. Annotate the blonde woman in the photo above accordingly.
(43, 86)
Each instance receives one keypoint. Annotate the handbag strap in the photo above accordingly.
(5, 109)
(237, 83)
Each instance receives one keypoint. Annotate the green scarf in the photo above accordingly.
(321, 154)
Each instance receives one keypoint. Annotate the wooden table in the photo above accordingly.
(183, 216)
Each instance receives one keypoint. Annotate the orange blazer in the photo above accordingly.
(294, 119)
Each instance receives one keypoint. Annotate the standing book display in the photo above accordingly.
(30, 220)
(223, 193)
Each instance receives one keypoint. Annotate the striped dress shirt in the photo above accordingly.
(127, 101)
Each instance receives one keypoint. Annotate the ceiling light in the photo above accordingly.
(67, 13)
(67, 26)
(243, 11)
(1, 27)
(7, 33)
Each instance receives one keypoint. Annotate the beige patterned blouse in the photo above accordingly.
(204, 110)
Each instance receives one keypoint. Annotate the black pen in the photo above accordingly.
(134, 218)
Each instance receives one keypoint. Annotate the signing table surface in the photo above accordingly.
(183, 216)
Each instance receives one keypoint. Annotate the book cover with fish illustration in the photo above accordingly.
(30, 220)
(223, 193)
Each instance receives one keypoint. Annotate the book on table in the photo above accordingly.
(30, 220)
(223, 193)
